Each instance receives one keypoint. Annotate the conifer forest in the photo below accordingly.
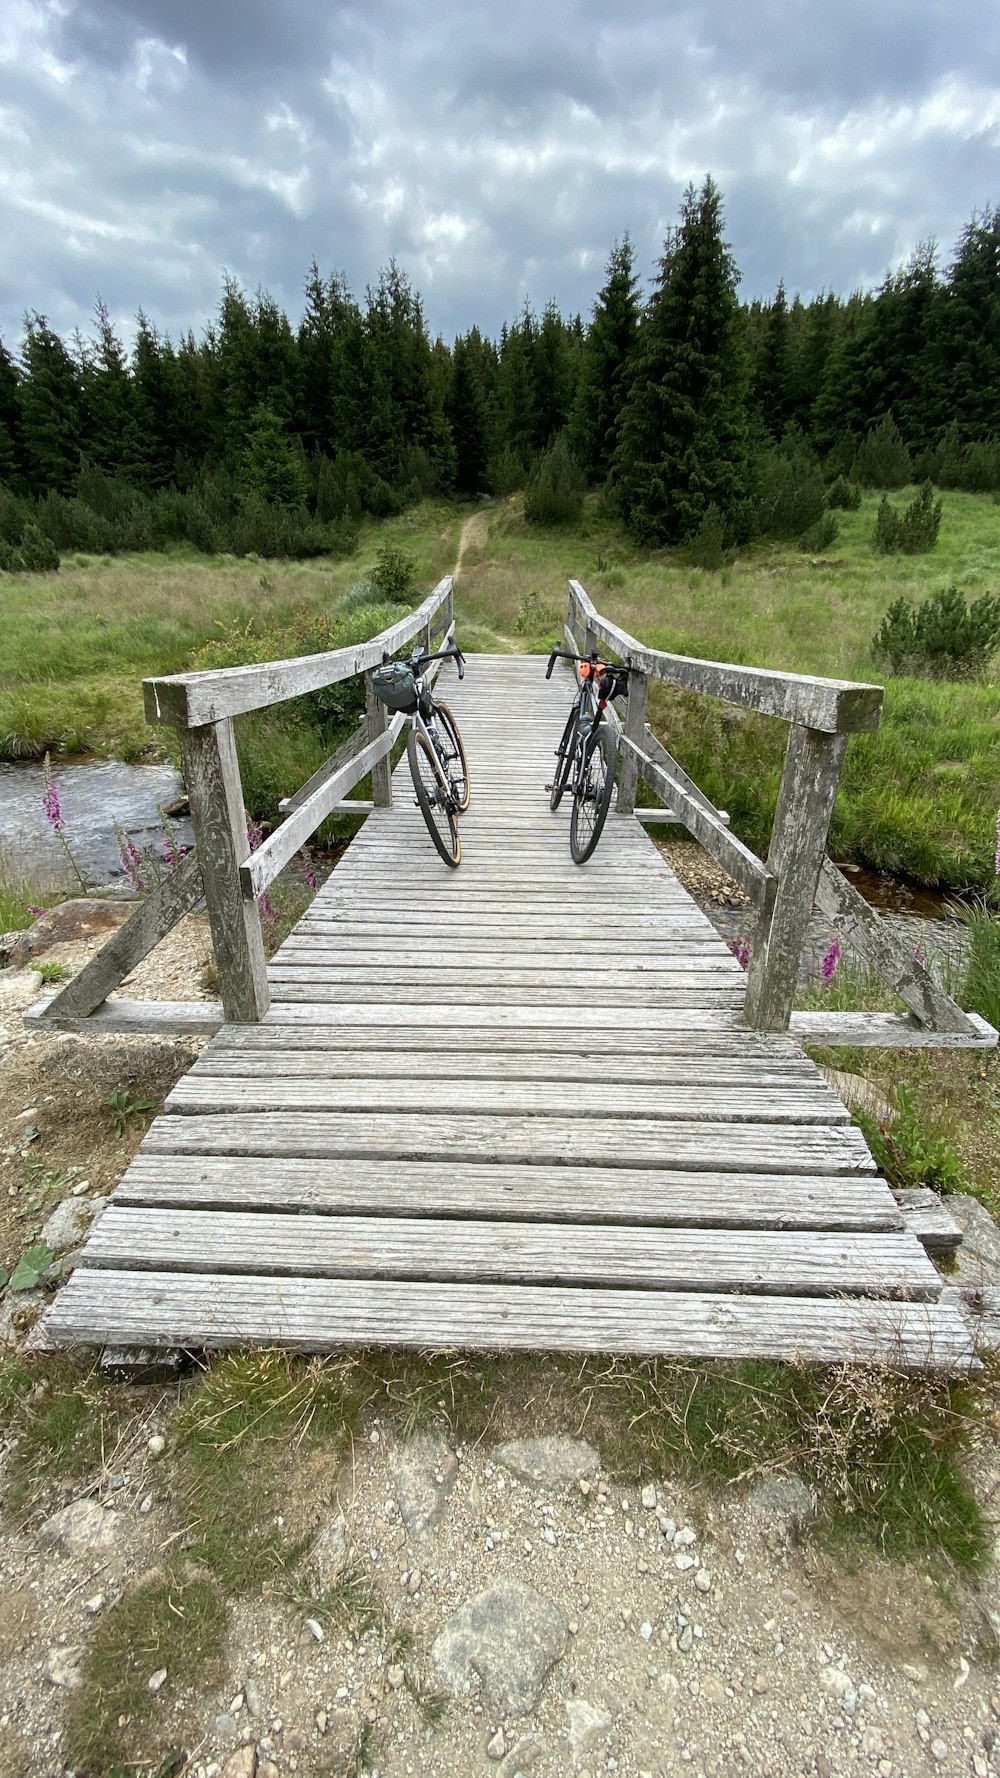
(703, 417)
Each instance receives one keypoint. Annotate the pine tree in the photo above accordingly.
(683, 444)
(50, 398)
(467, 415)
(273, 465)
(112, 436)
(966, 352)
(606, 366)
(516, 428)
(773, 391)
(555, 362)
(12, 463)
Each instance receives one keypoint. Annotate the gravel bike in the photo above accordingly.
(588, 751)
(434, 748)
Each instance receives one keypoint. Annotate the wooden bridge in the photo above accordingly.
(520, 1104)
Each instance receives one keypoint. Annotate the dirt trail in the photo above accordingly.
(475, 531)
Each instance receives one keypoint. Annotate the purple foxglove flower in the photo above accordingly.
(831, 960)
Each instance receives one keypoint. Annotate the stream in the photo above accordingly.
(94, 795)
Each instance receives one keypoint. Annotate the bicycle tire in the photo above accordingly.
(458, 765)
(564, 759)
(592, 788)
(441, 823)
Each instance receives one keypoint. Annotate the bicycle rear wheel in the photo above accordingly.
(592, 787)
(564, 759)
(432, 797)
(456, 762)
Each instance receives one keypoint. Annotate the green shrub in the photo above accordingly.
(843, 495)
(941, 639)
(821, 535)
(981, 989)
(911, 533)
(505, 474)
(906, 1154)
(787, 494)
(394, 576)
(883, 460)
(39, 554)
(707, 547)
(555, 490)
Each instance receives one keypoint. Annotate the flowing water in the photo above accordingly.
(94, 795)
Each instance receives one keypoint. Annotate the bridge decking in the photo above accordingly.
(510, 1105)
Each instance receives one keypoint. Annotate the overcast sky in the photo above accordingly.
(497, 151)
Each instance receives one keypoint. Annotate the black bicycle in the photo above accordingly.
(588, 752)
(434, 748)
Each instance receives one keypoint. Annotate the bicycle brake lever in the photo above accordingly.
(553, 657)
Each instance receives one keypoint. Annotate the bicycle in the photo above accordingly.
(434, 748)
(588, 751)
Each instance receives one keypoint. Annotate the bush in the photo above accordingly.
(883, 460)
(707, 548)
(394, 576)
(555, 491)
(914, 532)
(786, 490)
(821, 535)
(843, 495)
(942, 639)
(505, 474)
(38, 552)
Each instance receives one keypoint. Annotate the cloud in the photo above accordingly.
(149, 145)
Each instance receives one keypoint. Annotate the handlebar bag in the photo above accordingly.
(395, 685)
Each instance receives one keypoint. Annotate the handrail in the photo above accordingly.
(834, 706)
(189, 700)
(797, 876)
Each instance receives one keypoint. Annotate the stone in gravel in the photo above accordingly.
(156, 1445)
(703, 1581)
(315, 1629)
(940, 1751)
(506, 1642)
(523, 1757)
(61, 1667)
(329, 1552)
(648, 1497)
(252, 1698)
(18, 1309)
(496, 1746)
(242, 1764)
(156, 1679)
(833, 1680)
(424, 1473)
(588, 1724)
(782, 1497)
(683, 1561)
(79, 1528)
(267, 1769)
(70, 1223)
(685, 1640)
(225, 1725)
(549, 1462)
(977, 1261)
(395, 1677)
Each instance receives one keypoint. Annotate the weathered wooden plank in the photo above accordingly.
(212, 776)
(432, 1016)
(155, 1308)
(633, 729)
(589, 1068)
(813, 763)
(642, 1142)
(305, 953)
(193, 699)
(706, 826)
(159, 910)
(836, 706)
(516, 1193)
(885, 1030)
(868, 933)
(379, 724)
(718, 1038)
(929, 1219)
(810, 1103)
(304, 1246)
(149, 1018)
(473, 995)
(337, 764)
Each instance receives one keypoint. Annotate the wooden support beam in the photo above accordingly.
(377, 726)
(212, 775)
(701, 820)
(634, 727)
(868, 933)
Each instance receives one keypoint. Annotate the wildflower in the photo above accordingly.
(132, 862)
(831, 960)
(35, 913)
(254, 836)
(741, 950)
(920, 955)
(312, 881)
(996, 859)
(54, 817)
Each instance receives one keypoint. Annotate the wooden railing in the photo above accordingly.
(797, 876)
(222, 869)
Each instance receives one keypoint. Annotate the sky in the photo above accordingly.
(148, 147)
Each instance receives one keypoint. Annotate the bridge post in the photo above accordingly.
(212, 775)
(813, 762)
(378, 722)
(635, 731)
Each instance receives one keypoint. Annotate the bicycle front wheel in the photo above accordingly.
(564, 759)
(433, 797)
(594, 780)
(456, 764)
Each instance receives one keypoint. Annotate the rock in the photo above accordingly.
(824, 1766)
(782, 1497)
(523, 1757)
(505, 1642)
(549, 1462)
(833, 1680)
(267, 1769)
(496, 1747)
(682, 1561)
(242, 1764)
(156, 1445)
(61, 1667)
(225, 1725)
(685, 1640)
(703, 1581)
(329, 1553)
(315, 1629)
(977, 1261)
(18, 987)
(395, 1677)
(70, 1223)
(424, 1473)
(648, 1497)
(155, 1680)
(939, 1750)
(70, 921)
(79, 1528)
(588, 1724)
(859, 1094)
(18, 1309)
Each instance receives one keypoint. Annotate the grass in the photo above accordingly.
(68, 1423)
(177, 1619)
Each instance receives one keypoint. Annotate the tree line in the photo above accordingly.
(697, 413)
